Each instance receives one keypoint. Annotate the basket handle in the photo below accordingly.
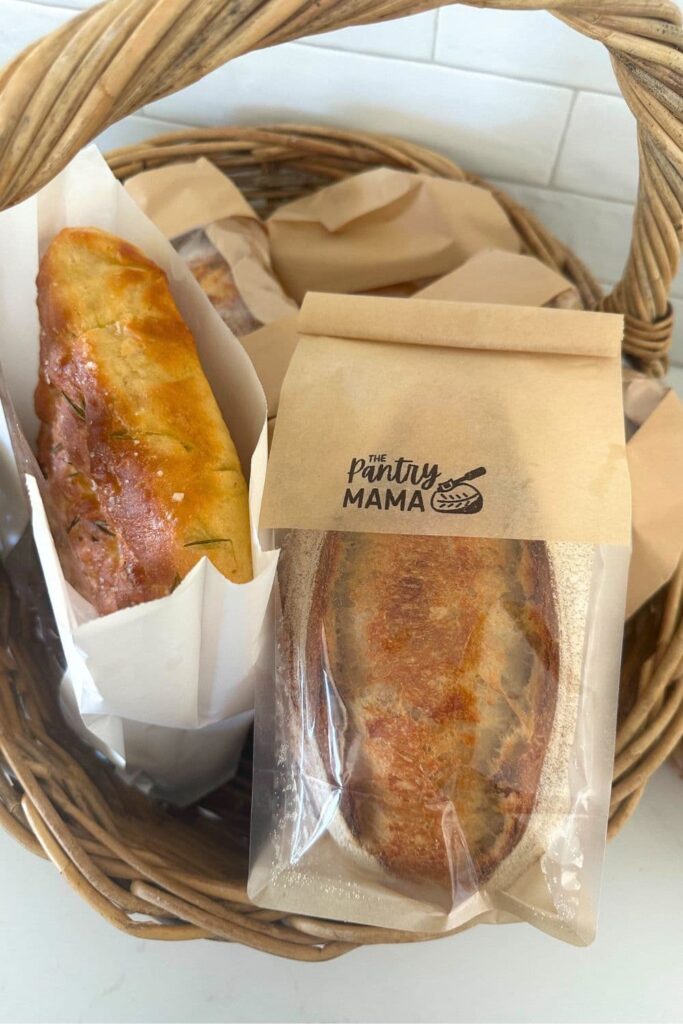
(109, 61)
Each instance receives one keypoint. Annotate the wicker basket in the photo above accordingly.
(161, 874)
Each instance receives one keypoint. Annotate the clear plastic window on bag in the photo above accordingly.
(436, 748)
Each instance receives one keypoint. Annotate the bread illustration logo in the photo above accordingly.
(459, 496)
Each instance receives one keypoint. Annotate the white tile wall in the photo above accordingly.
(597, 230)
(21, 23)
(479, 119)
(413, 38)
(135, 129)
(599, 154)
(516, 96)
(522, 44)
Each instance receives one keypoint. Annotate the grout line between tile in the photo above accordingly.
(563, 136)
(533, 81)
(162, 120)
(566, 192)
(435, 35)
(435, 64)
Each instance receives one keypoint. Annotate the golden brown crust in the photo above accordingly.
(444, 654)
(142, 472)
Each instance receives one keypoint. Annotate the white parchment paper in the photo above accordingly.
(165, 689)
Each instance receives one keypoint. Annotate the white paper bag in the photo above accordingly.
(164, 688)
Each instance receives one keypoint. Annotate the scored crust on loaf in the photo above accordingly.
(552, 822)
(143, 476)
(438, 660)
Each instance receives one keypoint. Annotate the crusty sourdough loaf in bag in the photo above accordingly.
(455, 541)
(379, 606)
(220, 237)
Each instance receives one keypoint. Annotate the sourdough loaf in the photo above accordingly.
(431, 671)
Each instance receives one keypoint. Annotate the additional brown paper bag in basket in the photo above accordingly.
(654, 420)
(270, 350)
(220, 237)
(451, 485)
(383, 228)
(504, 278)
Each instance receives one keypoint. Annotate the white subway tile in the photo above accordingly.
(599, 155)
(493, 126)
(134, 129)
(532, 45)
(23, 23)
(598, 230)
(402, 37)
(675, 379)
(74, 4)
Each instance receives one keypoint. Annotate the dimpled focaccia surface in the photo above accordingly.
(142, 472)
(444, 655)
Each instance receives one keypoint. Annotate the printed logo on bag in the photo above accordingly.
(376, 481)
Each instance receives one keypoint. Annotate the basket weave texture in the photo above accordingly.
(161, 874)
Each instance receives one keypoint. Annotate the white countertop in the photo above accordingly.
(61, 962)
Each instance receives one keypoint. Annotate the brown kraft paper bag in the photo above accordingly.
(654, 424)
(450, 487)
(220, 237)
(383, 228)
(507, 278)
